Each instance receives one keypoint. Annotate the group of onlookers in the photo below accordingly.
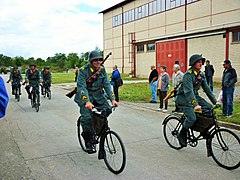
(160, 83)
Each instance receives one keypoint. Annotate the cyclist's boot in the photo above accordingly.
(209, 152)
(101, 154)
(28, 91)
(182, 137)
(87, 136)
(13, 91)
(20, 93)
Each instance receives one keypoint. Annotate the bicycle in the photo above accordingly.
(46, 90)
(16, 91)
(35, 98)
(111, 147)
(222, 144)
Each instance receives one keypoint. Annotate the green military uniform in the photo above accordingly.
(16, 78)
(33, 77)
(92, 92)
(47, 79)
(188, 96)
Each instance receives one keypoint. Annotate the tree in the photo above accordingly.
(60, 60)
(40, 62)
(18, 60)
(83, 59)
(72, 60)
(6, 61)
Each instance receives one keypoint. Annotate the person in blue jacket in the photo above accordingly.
(115, 75)
(3, 98)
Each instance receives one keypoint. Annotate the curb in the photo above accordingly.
(221, 123)
(229, 125)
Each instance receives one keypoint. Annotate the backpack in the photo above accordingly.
(119, 82)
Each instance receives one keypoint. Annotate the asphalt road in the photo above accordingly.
(44, 145)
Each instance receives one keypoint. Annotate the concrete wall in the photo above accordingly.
(212, 48)
(202, 16)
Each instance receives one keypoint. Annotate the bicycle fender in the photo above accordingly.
(178, 116)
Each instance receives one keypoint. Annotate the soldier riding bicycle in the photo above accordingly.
(188, 98)
(92, 79)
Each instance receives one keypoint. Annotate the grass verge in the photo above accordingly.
(140, 92)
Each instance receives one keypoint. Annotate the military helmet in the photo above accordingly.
(32, 64)
(194, 58)
(94, 55)
(46, 67)
(15, 67)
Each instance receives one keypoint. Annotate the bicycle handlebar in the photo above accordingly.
(99, 110)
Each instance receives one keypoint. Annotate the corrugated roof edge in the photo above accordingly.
(116, 6)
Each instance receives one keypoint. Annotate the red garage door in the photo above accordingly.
(171, 52)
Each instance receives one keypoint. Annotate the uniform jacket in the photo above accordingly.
(229, 77)
(33, 77)
(188, 92)
(46, 76)
(94, 91)
(3, 98)
(15, 76)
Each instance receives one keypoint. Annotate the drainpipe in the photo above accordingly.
(227, 44)
(122, 42)
(186, 40)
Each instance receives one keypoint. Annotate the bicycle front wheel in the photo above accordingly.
(171, 128)
(37, 103)
(79, 132)
(49, 94)
(225, 148)
(115, 154)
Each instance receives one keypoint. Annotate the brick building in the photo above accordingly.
(140, 33)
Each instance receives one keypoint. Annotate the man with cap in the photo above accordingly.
(90, 94)
(33, 78)
(188, 99)
(229, 79)
(15, 78)
(46, 77)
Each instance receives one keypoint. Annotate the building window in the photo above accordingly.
(145, 10)
(140, 48)
(117, 20)
(153, 7)
(236, 36)
(150, 47)
(160, 5)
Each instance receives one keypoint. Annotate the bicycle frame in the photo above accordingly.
(191, 135)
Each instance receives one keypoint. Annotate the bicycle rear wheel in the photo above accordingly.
(171, 128)
(79, 132)
(225, 148)
(115, 154)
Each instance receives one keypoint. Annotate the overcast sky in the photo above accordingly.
(41, 28)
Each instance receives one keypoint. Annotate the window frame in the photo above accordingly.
(237, 40)
(139, 50)
(149, 48)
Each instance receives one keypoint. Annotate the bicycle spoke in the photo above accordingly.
(225, 147)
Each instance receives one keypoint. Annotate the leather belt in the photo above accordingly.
(94, 90)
